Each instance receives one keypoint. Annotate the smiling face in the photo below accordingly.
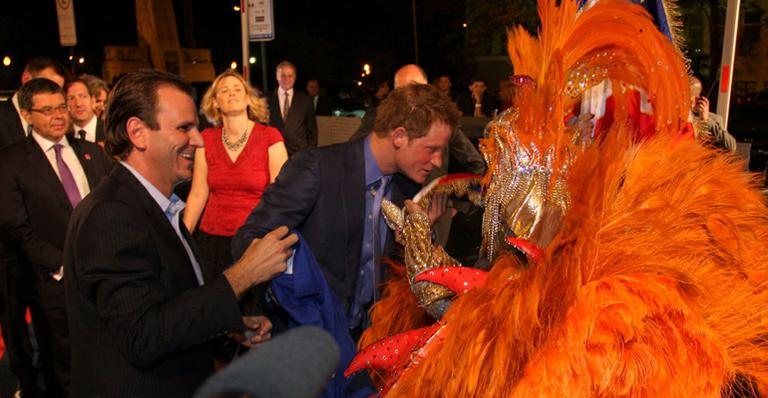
(80, 103)
(170, 149)
(53, 126)
(231, 96)
(416, 158)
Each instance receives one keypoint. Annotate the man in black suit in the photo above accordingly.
(85, 124)
(16, 286)
(142, 310)
(13, 128)
(46, 175)
(322, 104)
(292, 112)
(329, 194)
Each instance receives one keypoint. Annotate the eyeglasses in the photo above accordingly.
(50, 110)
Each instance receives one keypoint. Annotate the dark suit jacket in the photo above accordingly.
(34, 210)
(138, 319)
(324, 105)
(300, 127)
(11, 130)
(321, 193)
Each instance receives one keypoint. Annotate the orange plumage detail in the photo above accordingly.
(656, 284)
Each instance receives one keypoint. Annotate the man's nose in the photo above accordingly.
(437, 159)
(195, 138)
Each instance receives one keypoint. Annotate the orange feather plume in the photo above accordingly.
(657, 282)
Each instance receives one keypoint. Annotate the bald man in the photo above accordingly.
(710, 127)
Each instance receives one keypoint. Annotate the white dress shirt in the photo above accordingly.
(68, 154)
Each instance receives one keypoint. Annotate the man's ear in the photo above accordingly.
(25, 114)
(137, 133)
(399, 137)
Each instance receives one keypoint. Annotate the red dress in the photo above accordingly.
(235, 188)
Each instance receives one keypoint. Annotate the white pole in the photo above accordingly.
(244, 38)
(729, 53)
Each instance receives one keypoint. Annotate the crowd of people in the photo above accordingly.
(136, 291)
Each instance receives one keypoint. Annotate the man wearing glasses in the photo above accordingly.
(45, 177)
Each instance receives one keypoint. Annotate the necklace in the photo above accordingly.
(233, 146)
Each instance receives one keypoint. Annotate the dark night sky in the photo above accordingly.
(328, 39)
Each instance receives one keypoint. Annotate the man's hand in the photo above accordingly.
(437, 207)
(701, 108)
(262, 260)
(258, 330)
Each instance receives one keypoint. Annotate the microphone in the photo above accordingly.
(295, 364)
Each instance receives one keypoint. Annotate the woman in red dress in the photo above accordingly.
(240, 158)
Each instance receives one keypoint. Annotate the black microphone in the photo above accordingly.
(295, 364)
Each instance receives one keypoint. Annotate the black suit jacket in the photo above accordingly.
(11, 129)
(300, 127)
(324, 106)
(321, 193)
(139, 322)
(34, 210)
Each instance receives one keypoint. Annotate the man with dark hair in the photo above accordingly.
(331, 194)
(85, 124)
(322, 104)
(45, 177)
(15, 281)
(142, 309)
(13, 127)
(443, 83)
(292, 111)
(476, 101)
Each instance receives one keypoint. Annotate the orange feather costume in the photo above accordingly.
(652, 275)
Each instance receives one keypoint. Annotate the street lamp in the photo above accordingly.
(6, 61)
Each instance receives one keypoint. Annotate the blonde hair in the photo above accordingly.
(257, 106)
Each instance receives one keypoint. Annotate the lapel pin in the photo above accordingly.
(87, 156)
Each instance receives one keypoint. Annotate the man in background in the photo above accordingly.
(322, 104)
(709, 126)
(476, 101)
(85, 124)
(292, 111)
